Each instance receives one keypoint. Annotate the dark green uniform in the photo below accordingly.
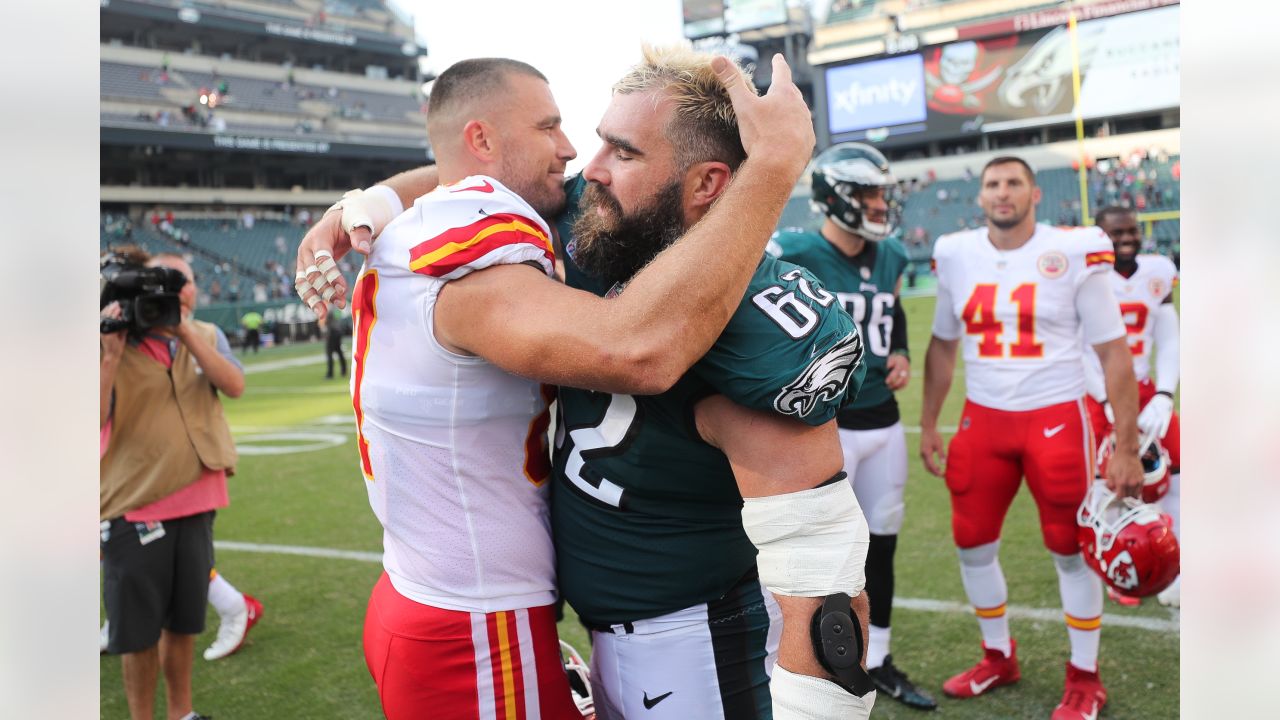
(646, 516)
(865, 286)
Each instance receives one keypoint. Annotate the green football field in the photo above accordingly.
(300, 536)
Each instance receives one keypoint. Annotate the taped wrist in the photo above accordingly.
(803, 697)
(370, 208)
(811, 543)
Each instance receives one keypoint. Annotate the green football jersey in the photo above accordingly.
(646, 516)
(865, 286)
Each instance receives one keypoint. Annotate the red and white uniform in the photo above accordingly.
(453, 452)
(1022, 317)
(1142, 299)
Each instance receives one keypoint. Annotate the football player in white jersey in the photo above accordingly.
(1020, 296)
(1144, 286)
(639, 155)
(452, 434)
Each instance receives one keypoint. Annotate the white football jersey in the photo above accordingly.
(1140, 296)
(453, 449)
(1015, 312)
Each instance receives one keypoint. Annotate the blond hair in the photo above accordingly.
(703, 125)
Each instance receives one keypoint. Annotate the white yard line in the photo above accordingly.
(268, 366)
(1017, 612)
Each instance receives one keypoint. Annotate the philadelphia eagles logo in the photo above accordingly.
(826, 378)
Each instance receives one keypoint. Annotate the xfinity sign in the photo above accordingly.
(875, 94)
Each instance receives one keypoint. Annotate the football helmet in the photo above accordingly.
(839, 172)
(579, 680)
(1156, 474)
(1128, 542)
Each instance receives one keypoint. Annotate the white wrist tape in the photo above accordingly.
(372, 208)
(803, 697)
(812, 543)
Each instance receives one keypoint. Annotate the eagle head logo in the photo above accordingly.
(826, 378)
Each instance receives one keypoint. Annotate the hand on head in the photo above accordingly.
(775, 127)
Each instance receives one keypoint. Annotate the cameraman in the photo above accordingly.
(166, 453)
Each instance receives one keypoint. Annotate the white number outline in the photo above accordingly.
(775, 300)
(600, 440)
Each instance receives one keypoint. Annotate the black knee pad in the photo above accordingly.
(838, 645)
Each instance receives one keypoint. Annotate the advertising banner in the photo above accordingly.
(1128, 64)
(703, 18)
(876, 94)
(742, 15)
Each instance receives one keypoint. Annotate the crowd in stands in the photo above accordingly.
(244, 260)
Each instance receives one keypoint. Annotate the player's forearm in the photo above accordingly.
(413, 184)
(939, 367)
(1122, 392)
(678, 305)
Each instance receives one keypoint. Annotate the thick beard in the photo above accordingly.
(613, 246)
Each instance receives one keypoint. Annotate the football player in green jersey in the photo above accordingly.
(658, 547)
(855, 259)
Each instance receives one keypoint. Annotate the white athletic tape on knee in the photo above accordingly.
(812, 543)
(372, 209)
(803, 697)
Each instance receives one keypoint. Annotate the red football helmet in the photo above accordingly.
(1156, 474)
(579, 680)
(1128, 542)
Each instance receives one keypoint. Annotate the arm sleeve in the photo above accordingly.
(898, 338)
(760, 365)
(1167, 358)
(1098, 309)
(946, 326)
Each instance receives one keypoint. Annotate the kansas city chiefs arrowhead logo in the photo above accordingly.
(826, 378)
(1122, 572)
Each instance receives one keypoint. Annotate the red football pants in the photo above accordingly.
(430, 663)
(993, 450)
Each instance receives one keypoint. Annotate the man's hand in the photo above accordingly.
(776, 126)
(897, 372)
(1155, 417)
(318, 279)
(933, 451)
(112, 343)
(1124, 474)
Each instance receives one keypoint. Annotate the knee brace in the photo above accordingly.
(838, 645)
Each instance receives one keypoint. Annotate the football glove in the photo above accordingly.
(1155, 417)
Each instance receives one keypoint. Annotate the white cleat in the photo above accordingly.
(233, 629)
(103, 637)
(1172, 595)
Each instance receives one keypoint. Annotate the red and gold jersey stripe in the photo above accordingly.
(364, 310)
(456, 247)
(1097, 258)
(537, 455)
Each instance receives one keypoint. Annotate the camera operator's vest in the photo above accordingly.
(166, 426)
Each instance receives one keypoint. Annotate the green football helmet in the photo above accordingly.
(839, 172)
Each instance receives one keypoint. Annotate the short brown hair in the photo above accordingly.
(1005, 160)
(467, 82)
(703, 125)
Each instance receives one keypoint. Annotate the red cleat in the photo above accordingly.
(1122, 599)
(993, 671)
(1083, 698)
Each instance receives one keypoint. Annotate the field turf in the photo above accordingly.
(302, 489)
